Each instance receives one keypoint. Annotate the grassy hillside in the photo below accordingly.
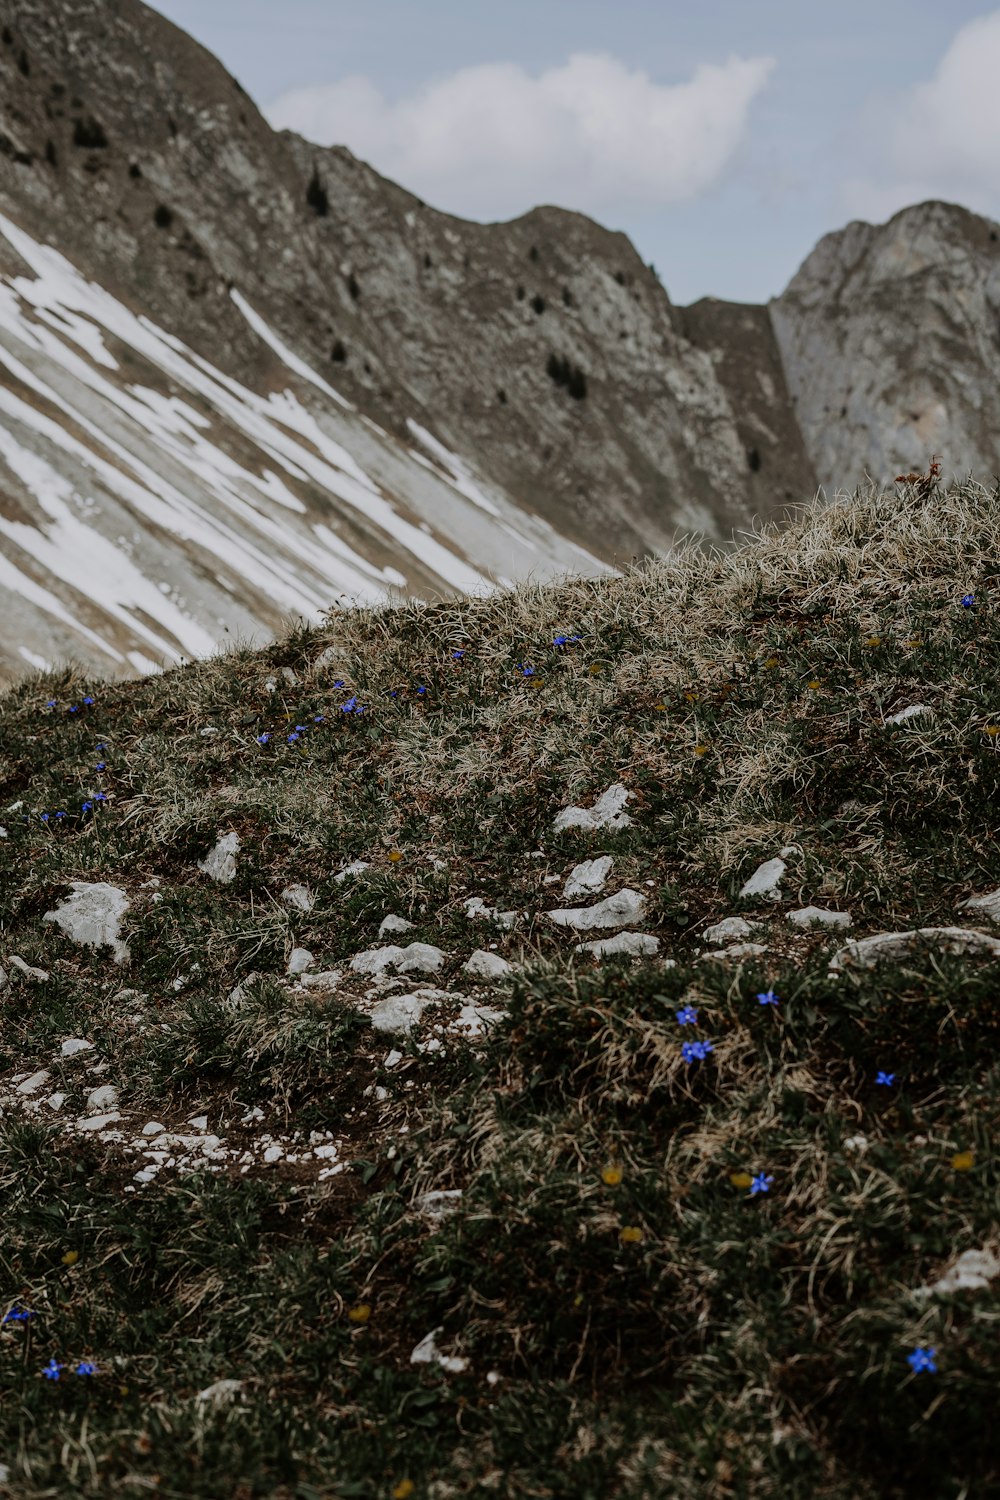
(669, 1269)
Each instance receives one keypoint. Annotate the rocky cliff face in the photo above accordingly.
(242, 376)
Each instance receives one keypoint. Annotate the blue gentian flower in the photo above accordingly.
(18, 1315)
(527, 671)
(885, 1077)
(769, 999)
(922, 1359)
(699, 1050)
(761, 1184)
(88, 700)
(262, 739)
(458, 654)
(85, 1367)
(561, 640)
(348, 706)
(51, 1370)
(968, 600)
(421, 690)
(688, 1016)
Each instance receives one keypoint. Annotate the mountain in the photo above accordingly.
(244, 378)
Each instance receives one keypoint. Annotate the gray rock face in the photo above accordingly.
(882, 335)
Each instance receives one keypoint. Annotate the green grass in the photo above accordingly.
(734, 1343)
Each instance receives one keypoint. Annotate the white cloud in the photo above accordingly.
(491, 142)
(939, 139)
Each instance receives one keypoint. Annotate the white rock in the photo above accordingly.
(299, 960)
(220, 862)
(638, 944)
(35, 1082)
(621, 909)
(324, 983)
(729, 928)
(607, 812)
(392, 923)
(483, 965)
(391, 1059)
(273, 1153)
(221, 1392)
(26, 969)
(400, 1013)
(300, 896)
(153, 1128)
(867, 952)
(856, 1143)
(74, 1044)
(289, 676)
(4, 980)
(735, 950)
(971, 1272)
(98, 1122)
(471, 1018)
(352, 869)
(106, 1097)
(476, 907)
(92, 915)
(438, 1203)
(807, 915)
(587, 878)
(422, 958)
(198, 1122)
(765, 879)
(56, 1101)
(909, 713)
(426, 1353)
(988, 905)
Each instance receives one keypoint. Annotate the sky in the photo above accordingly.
(725, 139)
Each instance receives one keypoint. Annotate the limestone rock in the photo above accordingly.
(587, 878)
(638, 944)
(483, 965)
(299, 896)
(92, 915)
(607, 812)
(867, 952)
(624, 907)
(808, 916)
(220, 862)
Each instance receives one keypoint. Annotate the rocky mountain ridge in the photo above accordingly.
(242, 376)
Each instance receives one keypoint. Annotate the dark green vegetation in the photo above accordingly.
(731, 1343)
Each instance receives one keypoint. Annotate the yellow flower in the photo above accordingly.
(661, 708)
(772, 661)
(815, 683)
(701, 749)
(595, 667)
(992, 729)
(913, 641)
(360, 1314)
(962, 1161)
(71, 1257)
(740, 1179)
(874, 640)
(692, 697)
(395, 855)
(631, 1235)
(404, 1488)
(612, 1174)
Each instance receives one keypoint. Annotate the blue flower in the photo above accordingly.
(885, 1077)
(349, 705)
(339, 682)
(561, 640)
(692, 1050)
(968, 600)
(458, 654)
(421, 690)
(318, 719)
(52, 703)
(262, 739)
(688, 1016)
(86, 1368)
(51, 1370)
(761, 1184)
(102, 765)
(769, 999)
(18, 1315)
(922, 1359)
(527, 671)
(88, 700)
(292, 738)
